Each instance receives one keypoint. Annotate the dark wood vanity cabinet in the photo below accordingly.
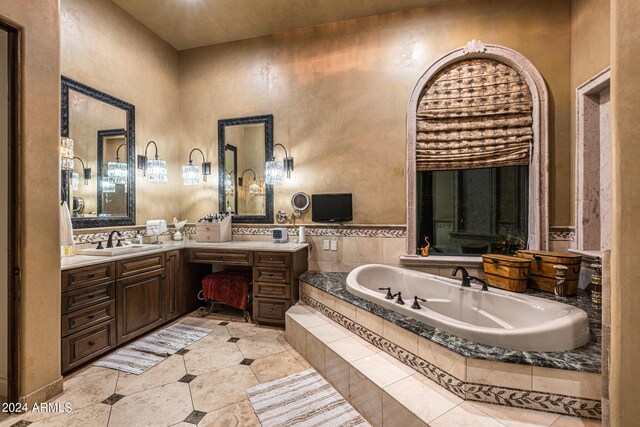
(275, 284)
(109, 304)
(88, 313)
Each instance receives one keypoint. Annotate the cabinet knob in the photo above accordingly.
(91, 316)
(92, 343)
(164, 276)
(91, 295)
(91, 276)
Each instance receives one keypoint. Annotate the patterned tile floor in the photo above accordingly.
(205, 385)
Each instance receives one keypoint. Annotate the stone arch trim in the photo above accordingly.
(538, 227)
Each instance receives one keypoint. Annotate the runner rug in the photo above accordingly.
(152, 349)
(302, 400)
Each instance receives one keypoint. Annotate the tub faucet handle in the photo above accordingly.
(399, 299)
(388, 295)
(416, 304)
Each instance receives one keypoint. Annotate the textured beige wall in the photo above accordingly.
(104, 47)
(625, 292)
(40, 308)
(339, 95)
(590, 54)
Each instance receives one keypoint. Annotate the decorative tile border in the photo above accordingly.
(373, 231)
(429, 370)
(83, 236)
(562, 234)
(379, 231)
(526, 399)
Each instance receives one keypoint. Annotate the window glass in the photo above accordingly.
(473, 211)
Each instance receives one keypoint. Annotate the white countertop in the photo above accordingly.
(75, 261)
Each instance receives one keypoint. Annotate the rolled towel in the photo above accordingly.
(66, 228)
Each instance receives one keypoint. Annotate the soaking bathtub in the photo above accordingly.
(494, 317)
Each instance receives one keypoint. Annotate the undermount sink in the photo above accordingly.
(117, 250)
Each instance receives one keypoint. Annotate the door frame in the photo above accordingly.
(585, 95)
(14, 218)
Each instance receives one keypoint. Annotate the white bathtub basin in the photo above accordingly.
(494, 317)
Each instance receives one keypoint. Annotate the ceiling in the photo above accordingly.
(186, 24)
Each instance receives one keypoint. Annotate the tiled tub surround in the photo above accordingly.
(564, 382)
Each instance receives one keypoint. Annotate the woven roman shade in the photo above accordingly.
(476, 113)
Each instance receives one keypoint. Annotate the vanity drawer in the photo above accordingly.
(86, 345)
(87, 297)
(224, 257)
(87, 276)
(270, 310)
(272, 259)
(81, 319)
(268, 274)
(272, 290)
(131, 267)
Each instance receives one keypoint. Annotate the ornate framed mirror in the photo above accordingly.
(244, 145)
(100, 189)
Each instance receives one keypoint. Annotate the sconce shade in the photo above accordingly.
(191, 175)
(75, 180)
(254, 188)
(118, 172)
(273, 173)
(107, 184)
(228, 185)
(157, 171)
(66, 154)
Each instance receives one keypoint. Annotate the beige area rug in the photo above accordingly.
(304, 399)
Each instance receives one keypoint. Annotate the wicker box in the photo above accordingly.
(214, 232)
(506, 272)
(542, 275)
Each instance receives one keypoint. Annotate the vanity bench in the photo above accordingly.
(108, 301)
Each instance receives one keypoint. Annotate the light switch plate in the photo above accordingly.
(325, 245)
(334, 245)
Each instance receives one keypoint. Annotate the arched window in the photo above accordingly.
(477, 154)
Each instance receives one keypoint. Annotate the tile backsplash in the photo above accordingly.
(354, 245)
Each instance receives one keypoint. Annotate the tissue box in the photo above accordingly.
(214, 232)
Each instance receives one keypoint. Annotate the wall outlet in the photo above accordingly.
(334, 245)
(325, 245)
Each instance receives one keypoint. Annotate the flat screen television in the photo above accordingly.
(331, 207)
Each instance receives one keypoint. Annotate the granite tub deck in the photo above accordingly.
(562, 382)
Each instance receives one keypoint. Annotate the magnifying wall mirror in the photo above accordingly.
(100, 190)
(244, 145)
(300, 202)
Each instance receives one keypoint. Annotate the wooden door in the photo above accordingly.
(140, 301)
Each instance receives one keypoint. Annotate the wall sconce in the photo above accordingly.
(191, 172)
(66, 154)
(156, 169)
(117, 171)
(273, 170)
(254, 188)
(75, 177)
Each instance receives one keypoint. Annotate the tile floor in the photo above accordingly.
(205, 385)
